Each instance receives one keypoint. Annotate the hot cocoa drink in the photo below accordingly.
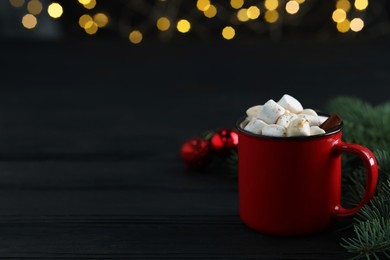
(287, 118)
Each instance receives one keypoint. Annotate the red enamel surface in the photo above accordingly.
(292, 186)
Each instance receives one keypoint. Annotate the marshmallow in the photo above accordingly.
(322, 119)
(271, 112)
(285, 120)
(313, 120)
(274, 130)
(299, 127)
(316, 130)
(254, 111)
(309, 112)
(245, 122)
(255, 126)
(290, 103)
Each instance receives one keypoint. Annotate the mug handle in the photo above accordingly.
(371, 166)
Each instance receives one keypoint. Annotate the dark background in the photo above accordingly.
(91, 126)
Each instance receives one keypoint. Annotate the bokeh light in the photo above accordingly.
(203, 5)
(183, 26)
(90, 4)
(210, 12)
(101, 19)
(84, 2)
(361, 4)
(91, 27)
(135, 37)
(357, 24)
(34, 7)
(16, 3)
(343, 26)
(84, 19)
(347, 14)
(271, 16)
(343, 4)
(29, 21)
(228, 33)
(253, 12)
(163, 24)
(55, 10)
(242, 15)
(339, 15)
(236, 4)
(271, 4)
(292, 7)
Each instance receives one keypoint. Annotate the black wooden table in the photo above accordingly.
(90, 134)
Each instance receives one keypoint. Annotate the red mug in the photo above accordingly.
(292, 185)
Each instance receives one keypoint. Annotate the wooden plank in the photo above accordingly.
(132, 210)
(159, 185)
(156, 237)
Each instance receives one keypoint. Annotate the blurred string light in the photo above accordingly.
(361, 4)
(92, 24)
(135, 37)
(271, 16)
(340, 15)
(241, 14)
(84, 19)
(16, 3)
(343, 26)
(101, 19)
(210, 12)
(344, 5)
(236, 4)
(356, 24)
(91, 27)
(203, 5)
(228, 33)
(292, 7)
(271, 4)
(34, 7)
(163, 24)
(253, 12)
(88, 4)
(183, 26)
(29, 21)
(55, 10)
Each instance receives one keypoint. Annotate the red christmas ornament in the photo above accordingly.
(223, 141)
(195, 153)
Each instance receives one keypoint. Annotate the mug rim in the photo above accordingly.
(239, 128)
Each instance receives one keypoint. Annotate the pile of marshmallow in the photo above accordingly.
(283, 119)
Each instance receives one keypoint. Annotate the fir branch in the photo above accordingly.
(225, 165)
(363, 123)
(372, 239)
(383, 160)
(370, 126)
(207, 135)
(232, 163)
(379, 206)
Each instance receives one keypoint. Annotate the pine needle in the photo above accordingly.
(369, 126)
